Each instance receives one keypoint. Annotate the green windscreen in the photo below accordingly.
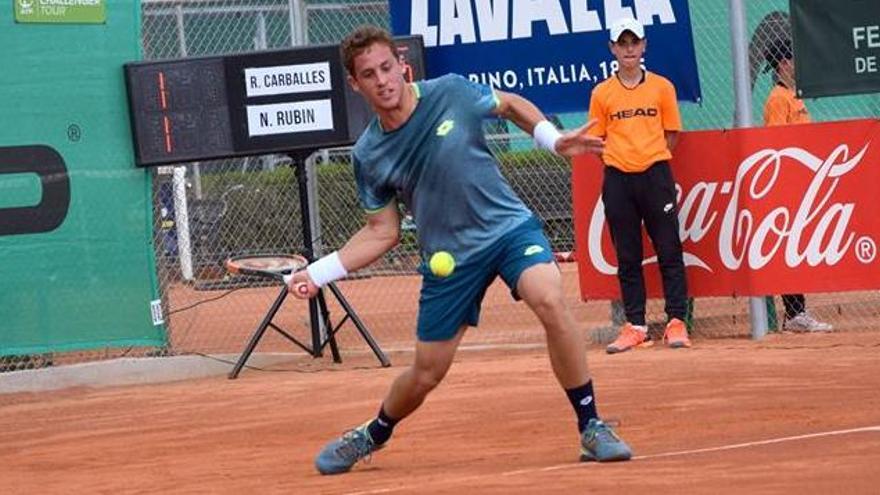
(76, 263)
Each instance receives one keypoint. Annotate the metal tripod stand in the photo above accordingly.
(319, 315)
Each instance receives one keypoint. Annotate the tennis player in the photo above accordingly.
(636, 111)
(426, 148)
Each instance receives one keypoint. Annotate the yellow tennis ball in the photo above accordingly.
(442, 263)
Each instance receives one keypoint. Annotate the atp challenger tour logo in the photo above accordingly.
(26, 7)
(60, 11)
(814, 232)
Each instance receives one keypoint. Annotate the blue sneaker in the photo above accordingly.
(341, 454)
(600, 443)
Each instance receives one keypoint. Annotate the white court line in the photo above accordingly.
(635, 458)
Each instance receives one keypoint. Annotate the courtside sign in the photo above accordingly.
(550, 51)
(773, 210)
(60, 11)
(837, 46)
(274, 101)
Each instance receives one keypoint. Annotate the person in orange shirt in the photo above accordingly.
(637, 113)
(784, 108)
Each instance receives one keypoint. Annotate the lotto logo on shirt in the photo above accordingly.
(634, 112)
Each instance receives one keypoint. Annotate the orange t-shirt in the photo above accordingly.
(783, 108)
(634, 120)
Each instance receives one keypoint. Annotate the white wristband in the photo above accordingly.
(546, 135)
(327, 269)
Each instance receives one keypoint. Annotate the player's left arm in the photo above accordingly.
(671, 139)
(528, 117)
(670, 115)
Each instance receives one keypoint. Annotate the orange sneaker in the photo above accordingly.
(629, 338)
(676, 334)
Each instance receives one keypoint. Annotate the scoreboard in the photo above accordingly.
(248, 104)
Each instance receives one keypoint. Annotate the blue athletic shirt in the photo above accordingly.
(438, 164)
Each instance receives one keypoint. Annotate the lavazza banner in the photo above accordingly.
(762, 211)
(552, 52)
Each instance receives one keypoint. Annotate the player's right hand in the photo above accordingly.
(301, 285)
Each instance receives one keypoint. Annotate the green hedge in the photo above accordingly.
(259, 211)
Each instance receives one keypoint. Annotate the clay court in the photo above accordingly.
(792, 413)
(105, 246)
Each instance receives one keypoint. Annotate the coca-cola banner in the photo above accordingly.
(762, 211)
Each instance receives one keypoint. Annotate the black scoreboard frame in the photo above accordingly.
(197, 108)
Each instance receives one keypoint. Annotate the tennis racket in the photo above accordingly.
(280, 267)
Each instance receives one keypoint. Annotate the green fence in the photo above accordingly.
(222, 206)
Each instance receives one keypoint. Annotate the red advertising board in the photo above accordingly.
(761, 211)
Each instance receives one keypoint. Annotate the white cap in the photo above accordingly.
(626, 24)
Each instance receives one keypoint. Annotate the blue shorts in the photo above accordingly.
(448, 303)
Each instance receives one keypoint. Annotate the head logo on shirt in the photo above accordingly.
(634, 112)
(444, 128)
